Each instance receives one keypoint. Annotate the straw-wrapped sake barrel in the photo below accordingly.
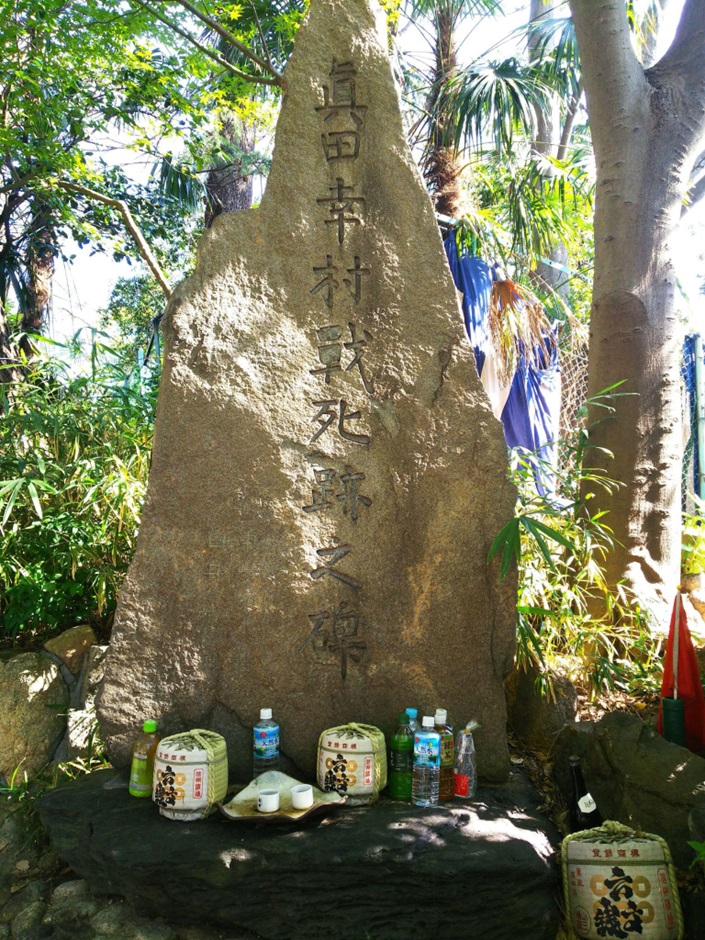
(190, 774)
(620, 883)
(352, 760)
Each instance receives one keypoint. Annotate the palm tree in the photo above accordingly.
(442, 165)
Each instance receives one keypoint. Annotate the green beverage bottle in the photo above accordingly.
(142, 768)
(401, 760)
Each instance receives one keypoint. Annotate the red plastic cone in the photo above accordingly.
(681, 679)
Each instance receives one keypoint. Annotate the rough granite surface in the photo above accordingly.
(33, 700)
(327, 474)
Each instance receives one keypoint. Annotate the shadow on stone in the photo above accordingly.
(389, 871)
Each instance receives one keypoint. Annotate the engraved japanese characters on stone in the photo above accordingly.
(336, 632)
(332, 410)
(341, 145)
(324, 496)
(354, 282)
(328, 283)
(342, 207)
(331, 349)
(330, 556)
(340, 95)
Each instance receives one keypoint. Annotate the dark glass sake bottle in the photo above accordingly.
(584, 813)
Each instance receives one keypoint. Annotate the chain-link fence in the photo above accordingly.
(574, 373)
(573, 350)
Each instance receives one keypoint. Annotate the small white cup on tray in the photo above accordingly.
(267, 801)
(302, 796)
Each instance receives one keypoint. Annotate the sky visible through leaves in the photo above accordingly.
(83, 287)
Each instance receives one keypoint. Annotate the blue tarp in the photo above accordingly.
(692, 451)
(530, 407)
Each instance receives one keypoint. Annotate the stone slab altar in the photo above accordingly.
(484, 869)
(327, 475)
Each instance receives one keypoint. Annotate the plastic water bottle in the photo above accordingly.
(142, 767)
(427, 765)
(401, 759)
(446, 787)
(465, 773)
(413, 715)
(265, 743)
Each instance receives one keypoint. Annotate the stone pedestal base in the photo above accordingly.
(484, 869)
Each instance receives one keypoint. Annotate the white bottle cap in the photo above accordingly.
(441, 716)
(265, 714)
(427, 721)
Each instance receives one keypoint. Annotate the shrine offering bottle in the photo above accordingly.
(446, 787)
(401, 759)
(464, 769)
(265, 743)
(427, 764)
(142, 767)
(584, 813)
(413, 716)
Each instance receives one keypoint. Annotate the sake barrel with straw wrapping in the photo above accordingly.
(352, 760)
(190, 774)
(620, 883)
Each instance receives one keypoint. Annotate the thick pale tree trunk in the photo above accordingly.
(645, 128)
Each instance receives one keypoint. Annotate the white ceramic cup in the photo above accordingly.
(302, 796)
(267, 801)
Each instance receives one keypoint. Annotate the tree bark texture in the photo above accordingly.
(549, 141)
(229, 188)
(442, 165)
(41, 254)
(645, 128)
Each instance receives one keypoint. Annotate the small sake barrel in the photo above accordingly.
(190, 774)
(620, 883)
(352, 761)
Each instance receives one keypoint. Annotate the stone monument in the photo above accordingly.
(327, 474)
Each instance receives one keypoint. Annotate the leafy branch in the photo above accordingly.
(130, 224)
(274, 78)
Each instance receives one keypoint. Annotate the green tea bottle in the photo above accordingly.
(401, 760)
(143, 752)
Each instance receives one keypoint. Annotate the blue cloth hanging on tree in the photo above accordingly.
(527, 403)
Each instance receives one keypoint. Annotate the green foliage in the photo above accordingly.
(521, 206)
(699, 849)
(73, 77)
(74, 458)
(495, 98)
(134, 305)
(21, 792)
(560, 548)
(693, 550)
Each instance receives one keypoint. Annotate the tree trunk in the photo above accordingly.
(40, 272)
(548, 142)
(229, 187)
(442, 166)
(644, 128)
